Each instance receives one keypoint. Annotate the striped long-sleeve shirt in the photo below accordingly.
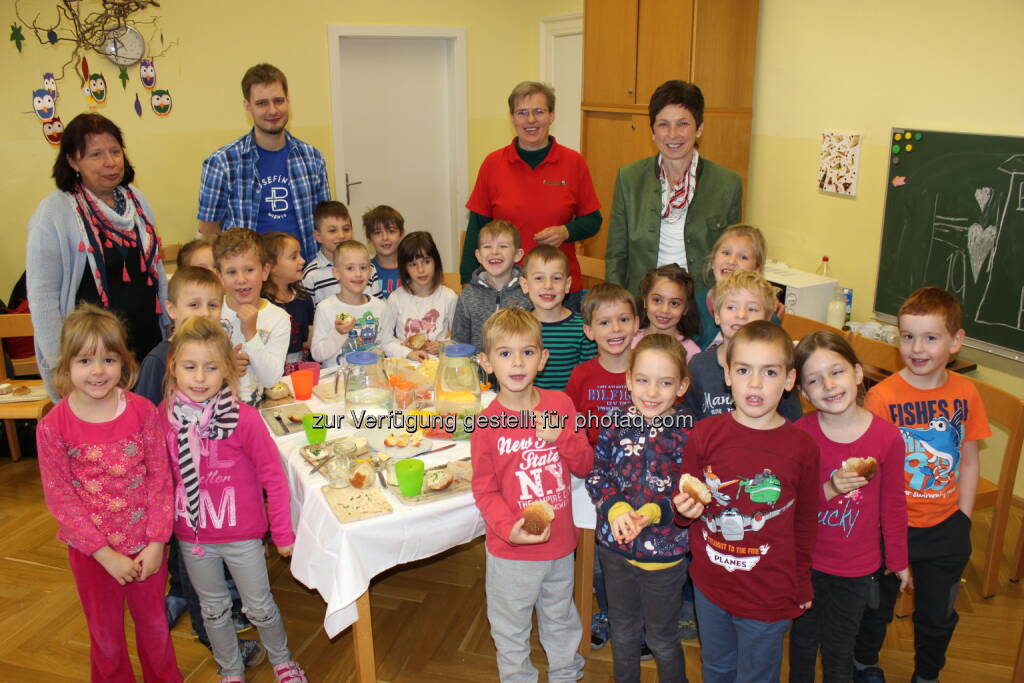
(567, 347)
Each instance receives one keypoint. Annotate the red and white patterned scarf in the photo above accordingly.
(674, 200)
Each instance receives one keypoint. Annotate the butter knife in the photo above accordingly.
(434, 450)
(280, 421)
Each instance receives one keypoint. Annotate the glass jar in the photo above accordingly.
(366, 385)
(337, 469)
(459, 377)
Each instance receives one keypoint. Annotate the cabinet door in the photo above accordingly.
(664, 42)
(609, 52)
(726, 141)
(725, 44)
(611, 140)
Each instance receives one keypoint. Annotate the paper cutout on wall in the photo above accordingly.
(161, 102)
(839, 163)
(138, 106)
(147, 73)
(50, 83)
(42, 104)
(97, 87)
(85, 69)
(51, 36)
(53, 130)
(17, 37)
(122, 74)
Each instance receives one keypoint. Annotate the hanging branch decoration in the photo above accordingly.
(17, 37)
(86, 30)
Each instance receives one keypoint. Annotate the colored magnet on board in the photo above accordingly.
(917, 136)
(909, 148)
(895, 161)
(898, 136)
(899, 181)
(895, 149)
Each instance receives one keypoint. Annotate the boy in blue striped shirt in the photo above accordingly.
(546, 281)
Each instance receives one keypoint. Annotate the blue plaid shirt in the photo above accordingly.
(230, 191)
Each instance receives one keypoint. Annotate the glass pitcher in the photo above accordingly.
(366, 385)
(458, 382)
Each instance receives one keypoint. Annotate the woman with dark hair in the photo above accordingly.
(93, 239)
(541, 187)
(670, 208)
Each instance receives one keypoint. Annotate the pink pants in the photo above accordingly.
(103, 601)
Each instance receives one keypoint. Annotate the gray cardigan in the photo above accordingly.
(54, 266)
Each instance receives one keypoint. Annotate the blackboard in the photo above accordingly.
(954, 218)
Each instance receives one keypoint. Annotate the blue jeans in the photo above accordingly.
(736, 650)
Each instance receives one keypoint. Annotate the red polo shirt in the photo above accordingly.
(532, 199)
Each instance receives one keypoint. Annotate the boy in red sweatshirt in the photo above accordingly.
(524, 456)
(752, 543)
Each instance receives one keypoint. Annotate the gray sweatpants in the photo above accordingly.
(249, 568)
(514, 589)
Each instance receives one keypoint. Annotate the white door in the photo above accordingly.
(561, 47)
(397, 131)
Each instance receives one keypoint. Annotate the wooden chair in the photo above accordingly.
(169, 256)
(452, 281)
(18, 325)
(591, 267)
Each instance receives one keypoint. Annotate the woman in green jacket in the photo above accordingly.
(670, 208)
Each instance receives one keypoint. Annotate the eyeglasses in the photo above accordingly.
(539, 112)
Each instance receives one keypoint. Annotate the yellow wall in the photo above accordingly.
(217, 41)
(866, 68)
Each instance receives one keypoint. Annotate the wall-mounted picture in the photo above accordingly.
(839, 163)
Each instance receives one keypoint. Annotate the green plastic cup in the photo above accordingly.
(313, 434)
(410, 476)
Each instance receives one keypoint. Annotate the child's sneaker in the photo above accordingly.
(688, 629)
(253, 652)
(599, 630)
(240, 621)
(871, 674)
(289, 672)
(232, 679)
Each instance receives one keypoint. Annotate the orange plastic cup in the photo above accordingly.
(302, 384)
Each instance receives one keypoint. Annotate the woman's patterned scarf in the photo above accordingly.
(674, 200)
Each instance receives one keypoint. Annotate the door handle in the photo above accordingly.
(348, 196)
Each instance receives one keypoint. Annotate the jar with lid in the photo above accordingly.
(366, 385)
(458, 382)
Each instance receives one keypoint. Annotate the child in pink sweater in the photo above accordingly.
(223, 461)
(107, 482)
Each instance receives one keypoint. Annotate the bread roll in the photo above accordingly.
(21, 390)
(362, 475)
(279, 390)
(6, 388)
(439, 480)
(695, 488)
(865, 467)
(536, 517)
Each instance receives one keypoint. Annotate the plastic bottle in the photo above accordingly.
(836, 313)
(824, 269)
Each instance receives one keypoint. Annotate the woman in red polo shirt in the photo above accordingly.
(541, 187)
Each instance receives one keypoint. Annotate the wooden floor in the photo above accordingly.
(429, 618)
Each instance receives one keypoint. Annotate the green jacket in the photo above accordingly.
(635, 228)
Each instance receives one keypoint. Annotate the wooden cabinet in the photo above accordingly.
(630, 48)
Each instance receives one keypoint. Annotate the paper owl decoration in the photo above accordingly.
(147, 73)
(98, 87)
(53, 130)
(42, 104)
(161, 102)
(50, 84)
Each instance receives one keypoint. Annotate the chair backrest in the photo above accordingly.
(1007, 411)
(452, 281)
(799, 327)
(591, 267)
(13, 325)
(885, 357)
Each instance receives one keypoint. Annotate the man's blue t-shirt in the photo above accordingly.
(276, 207)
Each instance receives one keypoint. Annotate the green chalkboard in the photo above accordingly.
(954, 218)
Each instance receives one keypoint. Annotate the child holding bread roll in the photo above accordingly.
(637, 463)
(521, 484)
(861, 504)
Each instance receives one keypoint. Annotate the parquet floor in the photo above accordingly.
(429, 618)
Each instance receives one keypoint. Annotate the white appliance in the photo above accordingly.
(804, 294)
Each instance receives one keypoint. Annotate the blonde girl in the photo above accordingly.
(637, 464)
(209, 431)
(856, 515)
(284, 288)
(105, 476)
(739, 247)
(667, 307)
(419, 314)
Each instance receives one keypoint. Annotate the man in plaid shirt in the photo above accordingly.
(267, 180)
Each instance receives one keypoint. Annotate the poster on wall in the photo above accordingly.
(839, 163)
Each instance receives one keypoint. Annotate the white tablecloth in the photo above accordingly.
(339, 560)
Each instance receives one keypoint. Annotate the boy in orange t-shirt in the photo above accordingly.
(941, 418)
